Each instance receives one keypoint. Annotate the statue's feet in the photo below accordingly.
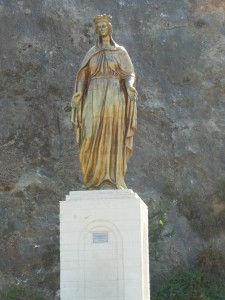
(107, 185)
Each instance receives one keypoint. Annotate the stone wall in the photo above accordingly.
(177, 48)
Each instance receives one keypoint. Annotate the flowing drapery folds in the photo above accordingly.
(105, 118)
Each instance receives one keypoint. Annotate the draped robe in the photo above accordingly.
(105, 117)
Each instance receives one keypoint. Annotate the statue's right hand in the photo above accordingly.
(76, 98)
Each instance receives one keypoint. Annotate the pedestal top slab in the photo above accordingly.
(101, 194)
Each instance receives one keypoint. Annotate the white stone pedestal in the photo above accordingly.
(104, 246)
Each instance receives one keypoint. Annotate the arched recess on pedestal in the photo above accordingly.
(101, 264)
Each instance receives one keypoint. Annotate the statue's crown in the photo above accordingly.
(102, 18)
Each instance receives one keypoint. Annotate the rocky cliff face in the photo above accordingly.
(177, 48)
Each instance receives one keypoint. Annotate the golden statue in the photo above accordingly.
(104, 110)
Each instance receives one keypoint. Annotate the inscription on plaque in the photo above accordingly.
(100, 237)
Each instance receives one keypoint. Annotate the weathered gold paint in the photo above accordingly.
(104, 110)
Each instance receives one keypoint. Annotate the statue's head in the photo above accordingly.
(103, 25)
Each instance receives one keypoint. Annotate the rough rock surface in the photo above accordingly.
(177, 48)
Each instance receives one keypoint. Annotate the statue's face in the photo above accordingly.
(103, 29)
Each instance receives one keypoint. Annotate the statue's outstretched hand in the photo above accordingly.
(132, 93)
(76, 98)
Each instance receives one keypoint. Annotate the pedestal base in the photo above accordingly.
(104, 246)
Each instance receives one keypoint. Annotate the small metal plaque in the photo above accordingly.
(100, 237)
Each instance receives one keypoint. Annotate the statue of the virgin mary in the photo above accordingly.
(104, 110)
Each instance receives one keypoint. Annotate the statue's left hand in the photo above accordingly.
(76, 98)
(132, 93)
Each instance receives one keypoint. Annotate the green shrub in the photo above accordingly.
(20, 292)
(190, 206)
(168, 189)
(202, 215)
(189, 286)
(157, 228)
(211, 261)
